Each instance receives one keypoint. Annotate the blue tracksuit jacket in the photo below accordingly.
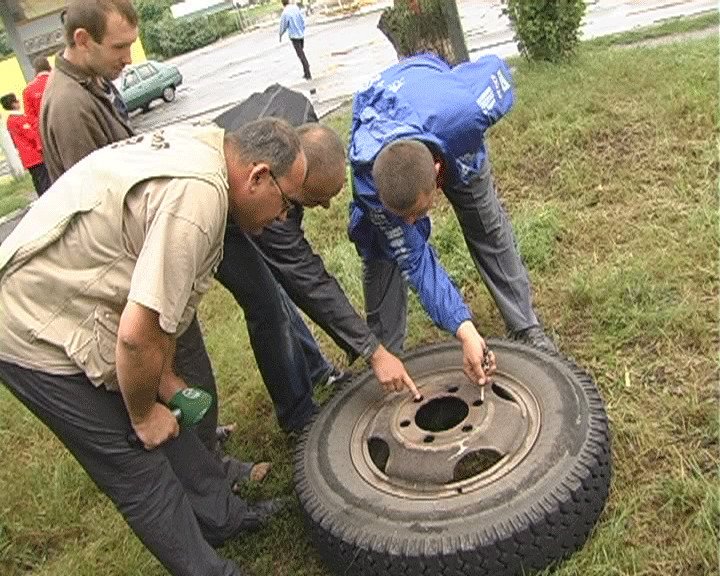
(422, 98)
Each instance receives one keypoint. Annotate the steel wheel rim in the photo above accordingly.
(449, 443)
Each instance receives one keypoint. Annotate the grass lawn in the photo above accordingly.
(608, 167)
(15, 194)
(262, 11)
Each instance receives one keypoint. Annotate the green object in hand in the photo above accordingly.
(193, 404)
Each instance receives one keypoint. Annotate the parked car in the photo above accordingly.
(140, 84)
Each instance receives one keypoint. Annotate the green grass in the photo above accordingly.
(679, 25)
(262, 11)
(15, 194)
(608, 168)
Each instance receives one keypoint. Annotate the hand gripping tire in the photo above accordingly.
(453, 485)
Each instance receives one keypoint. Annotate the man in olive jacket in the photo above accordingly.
(82, 110)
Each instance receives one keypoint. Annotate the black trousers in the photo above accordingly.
(40, 178)
(299, 45)
(176, 498)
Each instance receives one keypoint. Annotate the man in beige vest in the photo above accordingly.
(82, 112)
(96, 283)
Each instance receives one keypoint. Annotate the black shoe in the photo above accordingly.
(294, 433)
(535, 336)
(259, 514)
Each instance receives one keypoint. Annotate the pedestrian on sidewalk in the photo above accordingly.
(27, 141)
(33, 92)
(293, 21)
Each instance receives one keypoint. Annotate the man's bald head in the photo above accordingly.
(325, 155)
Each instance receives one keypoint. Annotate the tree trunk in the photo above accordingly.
(416, 26)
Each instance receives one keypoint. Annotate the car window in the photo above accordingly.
(146, 70)
(131, 78)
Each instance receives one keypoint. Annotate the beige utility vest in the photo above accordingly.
(73, 326)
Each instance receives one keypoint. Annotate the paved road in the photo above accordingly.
(345, 53)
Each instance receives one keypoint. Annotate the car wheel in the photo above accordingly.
(168, 94)
(456, 483)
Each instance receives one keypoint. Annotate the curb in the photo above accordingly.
(14, 214)
(329, 19)
(9, 221)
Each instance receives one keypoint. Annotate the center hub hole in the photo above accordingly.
(441, 414)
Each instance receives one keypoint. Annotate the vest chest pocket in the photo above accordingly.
(92, 347)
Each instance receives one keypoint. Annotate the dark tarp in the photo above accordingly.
(276, 101)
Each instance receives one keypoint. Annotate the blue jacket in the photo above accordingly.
(293, 21)
(424, 99)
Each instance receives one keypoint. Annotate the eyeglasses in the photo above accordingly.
(286, 202)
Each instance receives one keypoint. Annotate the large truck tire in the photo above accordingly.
(455, 484)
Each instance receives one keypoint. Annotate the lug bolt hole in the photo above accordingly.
(405, 423)
(429, 439)
(478, 403)
(418, 400)
(453, 389)
(467, 428)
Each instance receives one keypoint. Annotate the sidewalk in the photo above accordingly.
(9, 221)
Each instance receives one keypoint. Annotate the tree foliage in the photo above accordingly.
(546, 29)
(5, 48)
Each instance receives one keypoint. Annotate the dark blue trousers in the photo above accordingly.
(285, 351)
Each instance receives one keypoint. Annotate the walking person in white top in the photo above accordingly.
(293, 21)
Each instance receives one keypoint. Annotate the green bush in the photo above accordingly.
(163, 36)
(546, 29)
(169, 37)
(151, 11)
(227, 23)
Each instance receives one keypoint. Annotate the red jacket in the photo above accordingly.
(26, 139)
(32, 96)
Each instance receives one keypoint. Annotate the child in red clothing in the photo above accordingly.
(27, 141)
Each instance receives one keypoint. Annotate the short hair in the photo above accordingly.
(41, 64)
(269, 140)
(92, 15)
(8, 100)
(402, 170)
(323, 148)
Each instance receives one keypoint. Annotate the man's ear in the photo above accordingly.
(81, 37)
(258, 172)
(437, 168)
